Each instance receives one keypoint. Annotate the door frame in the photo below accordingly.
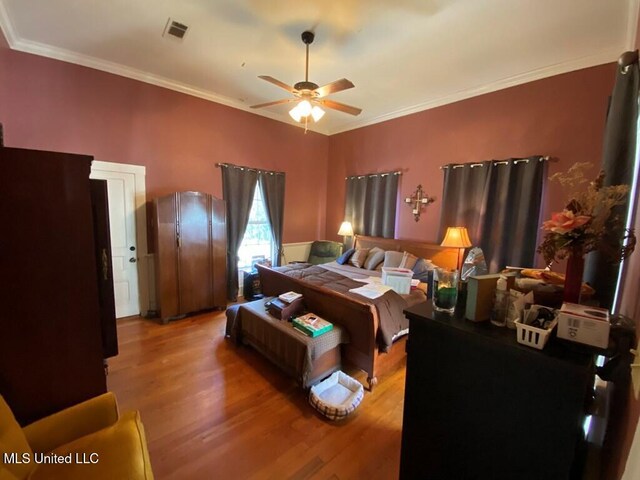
(139, 173)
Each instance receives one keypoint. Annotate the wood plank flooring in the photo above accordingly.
(212, 409)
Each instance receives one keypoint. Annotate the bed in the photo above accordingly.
(376, 327)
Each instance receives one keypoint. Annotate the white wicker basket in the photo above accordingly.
(336, 396)
(533, 336)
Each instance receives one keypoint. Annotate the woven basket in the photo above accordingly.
(337, 396)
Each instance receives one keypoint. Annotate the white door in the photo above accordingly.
(121, 189)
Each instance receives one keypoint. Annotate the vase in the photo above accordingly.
(573, 278)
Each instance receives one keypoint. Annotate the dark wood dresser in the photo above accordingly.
(478, 405)
(51, 352)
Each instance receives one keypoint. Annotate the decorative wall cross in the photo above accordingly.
(417, 200)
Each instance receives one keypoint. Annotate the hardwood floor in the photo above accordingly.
(212, 409)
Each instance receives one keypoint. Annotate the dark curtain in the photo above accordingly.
(618, 159)
(272, 185)
(465, 198)
(499, 203)
(371, 204)
(238, 187)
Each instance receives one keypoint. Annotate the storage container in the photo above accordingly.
(399, 279)
(533, 336)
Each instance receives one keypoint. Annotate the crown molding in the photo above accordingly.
(6, 25)
(68, 56)
(40, 49)
(632, 24)
(600, 58)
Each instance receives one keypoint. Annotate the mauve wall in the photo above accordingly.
(562, 116)
(51, 105)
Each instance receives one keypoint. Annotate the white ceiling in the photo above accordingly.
(402, 55)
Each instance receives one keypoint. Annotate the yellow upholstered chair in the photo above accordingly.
(96, 441)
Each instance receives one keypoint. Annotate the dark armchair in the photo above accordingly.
(324, 251)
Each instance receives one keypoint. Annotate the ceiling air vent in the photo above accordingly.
(175, 30)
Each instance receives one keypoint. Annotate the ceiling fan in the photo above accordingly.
(310, 95)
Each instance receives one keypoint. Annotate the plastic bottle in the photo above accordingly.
(499, 313)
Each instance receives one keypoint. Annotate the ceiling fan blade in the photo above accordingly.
(333, 87)
(341, 106)
(278, 83)
(277, 102)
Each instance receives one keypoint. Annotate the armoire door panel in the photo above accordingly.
(106, 293)
(166, 256)
(194, 266)
(219, 252)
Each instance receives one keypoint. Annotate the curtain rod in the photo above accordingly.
(249, 169)
(374, 175)
(545, 158)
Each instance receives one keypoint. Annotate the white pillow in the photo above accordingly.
(408, 260)
(392, 259)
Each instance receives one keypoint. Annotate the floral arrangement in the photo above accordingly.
(589, 221)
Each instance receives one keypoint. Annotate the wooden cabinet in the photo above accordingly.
(479, 405)
(50, 332)
(190, 253)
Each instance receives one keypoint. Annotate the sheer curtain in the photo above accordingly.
(238, 187)
(272, 185)
(371, 202)
(499, 203)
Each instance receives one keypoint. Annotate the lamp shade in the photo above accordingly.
(295, 113)
(346, 230)
(456, 237)
(317, 113)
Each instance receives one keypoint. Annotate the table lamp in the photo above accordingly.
(346, 230)
(457, 237)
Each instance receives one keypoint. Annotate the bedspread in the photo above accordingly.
(390, 306)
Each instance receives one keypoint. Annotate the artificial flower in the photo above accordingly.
(590, 220)
(565, 221)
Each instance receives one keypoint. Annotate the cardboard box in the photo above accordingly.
(397, 278)
(481, 291)
(584, 324)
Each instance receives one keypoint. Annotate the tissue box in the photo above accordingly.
(584, 324)
(397, 278)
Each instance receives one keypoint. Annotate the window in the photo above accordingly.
(257, 243)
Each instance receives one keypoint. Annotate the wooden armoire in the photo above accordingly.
(51, 351)
(190, 241)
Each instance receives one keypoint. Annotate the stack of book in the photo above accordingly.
(312, 325)
(289, 296)
(286, 305)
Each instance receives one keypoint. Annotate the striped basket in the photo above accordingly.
(336, 396)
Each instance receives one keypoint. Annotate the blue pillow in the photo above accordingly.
(420, 267)
(344, 258)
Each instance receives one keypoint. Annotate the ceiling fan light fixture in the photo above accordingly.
(304, 107)
(295, 113)
(317, 113)
(306, 92)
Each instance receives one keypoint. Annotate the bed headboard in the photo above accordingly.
(441, 256)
